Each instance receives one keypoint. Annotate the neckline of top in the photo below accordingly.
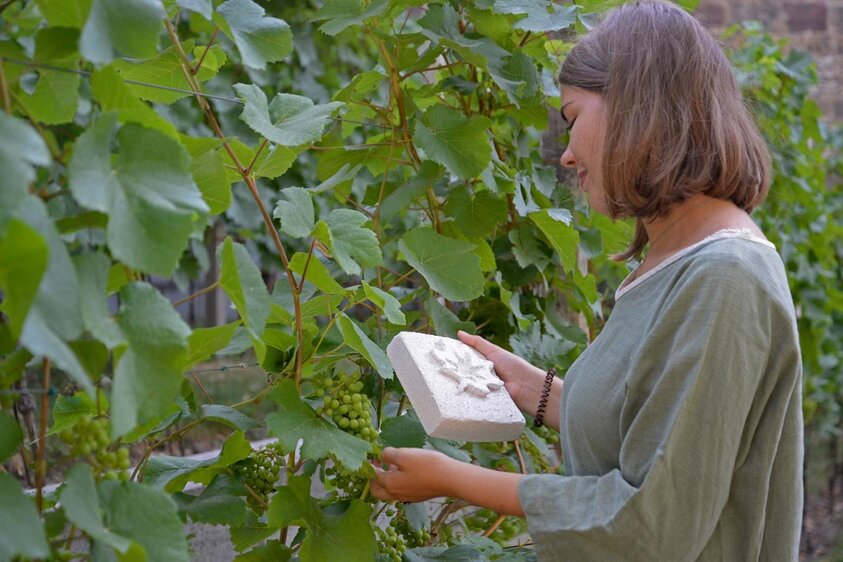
(742, 233)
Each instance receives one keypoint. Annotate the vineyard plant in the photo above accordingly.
(353, 169)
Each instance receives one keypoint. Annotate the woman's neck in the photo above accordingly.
(690, 222)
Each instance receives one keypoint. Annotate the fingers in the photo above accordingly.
(480, 344)
(391, 455)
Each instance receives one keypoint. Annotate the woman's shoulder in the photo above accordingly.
(748, 265)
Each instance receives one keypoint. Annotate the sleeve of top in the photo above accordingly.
(687, 400)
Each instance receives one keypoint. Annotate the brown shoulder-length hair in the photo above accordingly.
(677, 123)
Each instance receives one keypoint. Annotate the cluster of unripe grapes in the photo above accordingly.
(482, 519)
(345, 484)
(259, 471)
(398, 536)
(89, 438)
(393, 543)
(350, 409)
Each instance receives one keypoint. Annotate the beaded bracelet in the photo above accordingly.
(548, 381)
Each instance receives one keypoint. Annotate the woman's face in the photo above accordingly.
(585, 113)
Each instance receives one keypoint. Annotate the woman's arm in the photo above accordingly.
(523, 381)
(415, 475)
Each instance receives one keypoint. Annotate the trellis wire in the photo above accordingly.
(162, 87)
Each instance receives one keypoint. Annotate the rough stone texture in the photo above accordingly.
(815, 26)
(454, 389)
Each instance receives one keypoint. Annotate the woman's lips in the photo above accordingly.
(582, 176)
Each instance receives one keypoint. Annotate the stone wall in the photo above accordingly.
(815, 26)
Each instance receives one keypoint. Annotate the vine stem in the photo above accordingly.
(198, 66)
(249, 179)
(201, 387)
(4, 91)
(41, 470)
(198, 293)
(521, 464)
(494, 526)
(148, 451)
(57, 156)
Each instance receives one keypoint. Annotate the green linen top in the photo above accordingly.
(681, 424)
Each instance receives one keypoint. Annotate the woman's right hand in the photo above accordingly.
(522, 380)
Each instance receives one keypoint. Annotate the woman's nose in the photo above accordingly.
(567, 159)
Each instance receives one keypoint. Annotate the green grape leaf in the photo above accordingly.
(81, 505)
(235, 448)
(149, 375)
(272, 551)
(403, 431)
(92, 354)
(289, 120)
(561, 235)
(614, 234)
(251, 533)
(357, 339)
(10, 436)
(202, 7)
(242, 282)
(127, 28)
(92, 270)
(526, 247)
(61, 13)
(519, 77)
(21, 531)
(445, 322)
(56, 94)
(538, 348)
(69, 409)
(330, 536)
(218, 504)
(317, 274)
(387, 303)
(153, 202)
(228, 416)
(352, 244)
(54, 316)
(23, 261)
(295, 212)
(478, 215)
(165, 70)
(208, 170)
(113, 94)
(203, 343)
(16, 161)
(275, 163)
(342, 14)
(164, 472)
(146, 516)
(459, 143)
(259, 38)
(440, 24)
(450, 266)
(295, 420)
(514, 73)
(538, 19)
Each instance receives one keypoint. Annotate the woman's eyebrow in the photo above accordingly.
(562, 112)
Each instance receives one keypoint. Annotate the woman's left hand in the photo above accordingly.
(412, 475)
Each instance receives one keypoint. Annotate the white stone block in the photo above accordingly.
(454, 389)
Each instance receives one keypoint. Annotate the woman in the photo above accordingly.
(681, 423)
